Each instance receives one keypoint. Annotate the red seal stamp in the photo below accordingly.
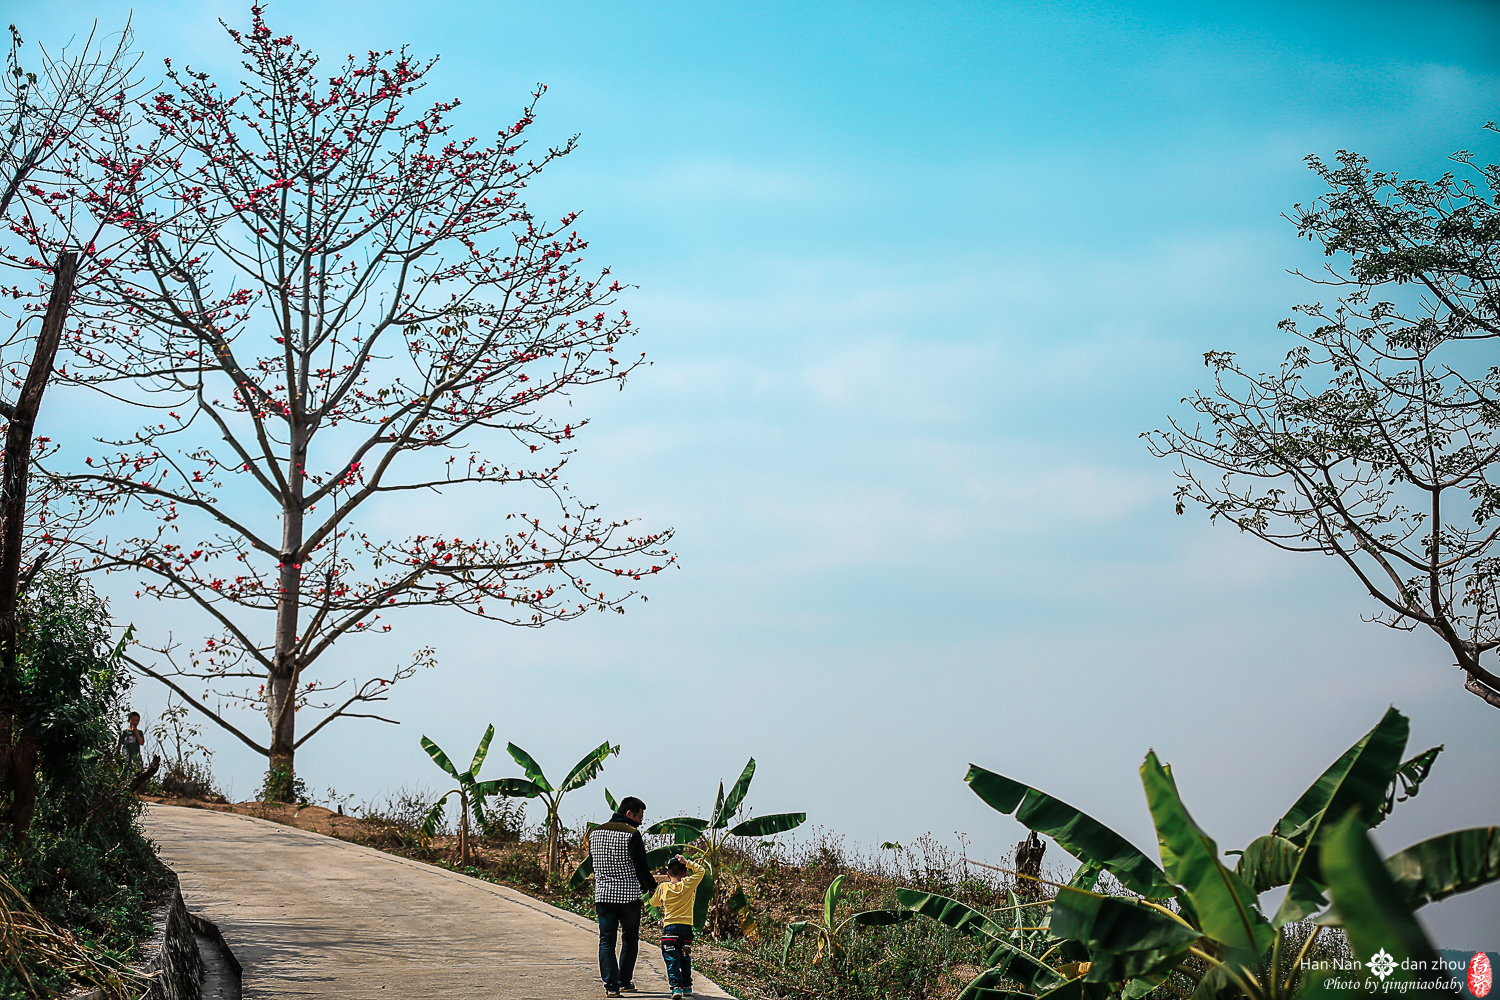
(1481, 976)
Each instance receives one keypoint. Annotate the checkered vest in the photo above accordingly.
(615, 877)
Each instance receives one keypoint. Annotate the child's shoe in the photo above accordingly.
(676, 993)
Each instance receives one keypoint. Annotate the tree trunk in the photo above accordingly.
(18, 748)
(281, 702)
(463, 830)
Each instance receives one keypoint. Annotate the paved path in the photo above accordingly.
(311, 916)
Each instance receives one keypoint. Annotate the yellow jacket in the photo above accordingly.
(676, 898)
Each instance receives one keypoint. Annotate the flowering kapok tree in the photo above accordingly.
(333, 305)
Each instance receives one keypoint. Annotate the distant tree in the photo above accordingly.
(1376, 441)
(332, 302)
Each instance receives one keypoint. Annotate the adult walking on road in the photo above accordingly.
(621, 878)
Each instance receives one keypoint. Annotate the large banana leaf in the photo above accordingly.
(483, 789)
(609, 800)
(717, 819)
(585, 770)
(1125, 939)
(434, 816)
(1268, 862)
(1374, 913)
(1225, 906)
(531, 767)
(1444, 866)
(736, 795)
(683, 829)
(482, 751)
(1360, 779)
(1410, 776)
(438, 757)
(704, 897)
(1014, 962)
(1076, 832)
(831, 901)
(518, 788)
(581, 875)
(766, 826)
(658, 856)
(1361, 776)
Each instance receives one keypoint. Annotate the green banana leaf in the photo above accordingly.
(1142, 985)
(704, 897)
(658, 856)
(531, 767)
(1077, 989)
(581, 875)
(1268, 862)
(792, 930)
(1361, 776)
(609, 800)
(882, 918)
(438, 757)
(1224, 904)
(1410, 776)
(1076, 832)
(982, 987)
(1016, 963)
(519, 788)
(1374, 913)
(717, 819)
(683, 829)
(831, 901)
(766, 826)
(1125, 939)
(1446, 865)
(1086, 877)
(483, 750)
(484, 789)
(434, 815)
(950, 913)
(1359, 779)
(737, 793)
(587, 769)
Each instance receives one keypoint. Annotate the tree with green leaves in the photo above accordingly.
(536, 786)
(471, 792)
(1194, 918)
(1376, 440)
(708, 841)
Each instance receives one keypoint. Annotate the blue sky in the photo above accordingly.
(913, 279)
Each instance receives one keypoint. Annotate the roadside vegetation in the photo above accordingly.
(817, 920)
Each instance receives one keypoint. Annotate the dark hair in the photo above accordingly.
(630, 804)
(677, 868)
(133, 715)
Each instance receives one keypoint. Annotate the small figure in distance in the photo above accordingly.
(676, 897)
(621, 879)
(132, 738)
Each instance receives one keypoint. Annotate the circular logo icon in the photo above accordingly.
(1481, 976)
(1382, 964)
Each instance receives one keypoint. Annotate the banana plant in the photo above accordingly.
(1105, 943)
(535, 785)
(830, 931)
(707, 840)
(471, 793)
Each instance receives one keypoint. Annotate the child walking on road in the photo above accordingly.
(675, 897)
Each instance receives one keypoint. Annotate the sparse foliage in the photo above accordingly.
(329, 302)
(1376, 440)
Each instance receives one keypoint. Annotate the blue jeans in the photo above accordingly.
(677, 952)
(626, 919)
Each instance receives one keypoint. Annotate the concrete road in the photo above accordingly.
(311, 916)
